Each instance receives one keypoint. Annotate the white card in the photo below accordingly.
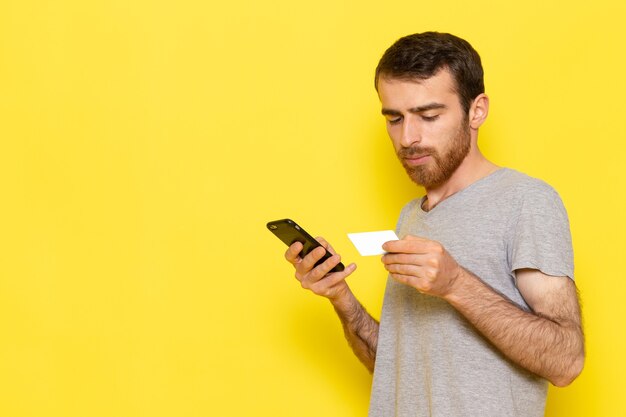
(371, 243)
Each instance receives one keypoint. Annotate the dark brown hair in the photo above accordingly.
(422, 55)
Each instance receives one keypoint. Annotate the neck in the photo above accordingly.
(474, 167)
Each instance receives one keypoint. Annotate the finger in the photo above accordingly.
(331, 280)
(292, 255)
(404, 279)
(403, 258)
(419, 284)
(325, 244)
(426, 274)
(334, 279)
(404, 269)
(310, 275)
(408, 245)
(324, 268)
(308, 262)
(398, 246)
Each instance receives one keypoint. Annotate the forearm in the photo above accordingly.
(360, 328)
(550, 347)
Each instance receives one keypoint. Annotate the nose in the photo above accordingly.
(411, 133)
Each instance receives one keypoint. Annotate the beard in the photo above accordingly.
(443, 166)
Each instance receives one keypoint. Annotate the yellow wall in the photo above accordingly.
(144, 144)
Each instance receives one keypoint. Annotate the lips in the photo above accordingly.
(416, 159)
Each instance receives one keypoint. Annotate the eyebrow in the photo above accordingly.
(418, 109)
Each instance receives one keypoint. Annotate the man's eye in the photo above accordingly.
(394, 121)
(430, 118)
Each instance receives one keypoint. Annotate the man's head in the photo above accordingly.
(422, 55)
(432, 94)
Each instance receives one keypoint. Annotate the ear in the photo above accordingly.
(478, 111)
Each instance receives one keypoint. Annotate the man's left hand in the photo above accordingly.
(422, 264)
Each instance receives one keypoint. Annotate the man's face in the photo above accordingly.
(427, 125)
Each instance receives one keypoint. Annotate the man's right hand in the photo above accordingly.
(317, 278)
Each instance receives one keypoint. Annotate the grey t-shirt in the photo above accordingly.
(430, 361)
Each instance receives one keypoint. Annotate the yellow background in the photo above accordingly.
(145, 144)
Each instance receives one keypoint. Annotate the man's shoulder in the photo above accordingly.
(525, 194)
(513, 182)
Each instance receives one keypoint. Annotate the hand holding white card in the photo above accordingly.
(371, 243)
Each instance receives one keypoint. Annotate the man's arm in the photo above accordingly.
(360, 328)
(547, 341)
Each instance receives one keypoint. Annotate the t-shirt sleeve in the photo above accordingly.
(541, 234)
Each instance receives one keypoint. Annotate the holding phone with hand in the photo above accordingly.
(290, 232)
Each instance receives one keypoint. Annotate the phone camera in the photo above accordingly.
(273, 227)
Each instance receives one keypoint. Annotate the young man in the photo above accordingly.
(480, 308)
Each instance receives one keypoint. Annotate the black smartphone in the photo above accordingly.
(289, 232)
